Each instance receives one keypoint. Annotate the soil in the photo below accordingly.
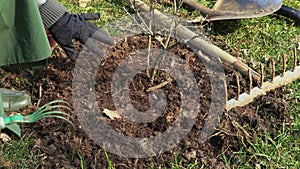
(63, 146)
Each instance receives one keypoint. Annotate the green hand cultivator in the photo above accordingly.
(11, 100)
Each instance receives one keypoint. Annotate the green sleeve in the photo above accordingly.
(22, 35)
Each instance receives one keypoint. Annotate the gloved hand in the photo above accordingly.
(75, 26)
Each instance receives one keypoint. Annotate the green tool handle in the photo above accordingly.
(5, 121)
(8, 120)
(13, 119)
(290, 13)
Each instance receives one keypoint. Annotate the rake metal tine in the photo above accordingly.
(295, 59)
(261, 74)
(284, 64)
(250, 81)
(238, 86)
(273, 69)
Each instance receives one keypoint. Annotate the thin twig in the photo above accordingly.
(148, 30)
(151, 5)
(165, 46)
(40, 96)
(175, 7)
(150, 89)
(158, 60)
(148, 56)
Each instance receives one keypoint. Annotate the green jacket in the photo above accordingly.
(22, 34)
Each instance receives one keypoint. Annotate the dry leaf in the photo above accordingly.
(5, 163)
(112, 114)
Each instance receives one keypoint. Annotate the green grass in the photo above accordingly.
(109, 10)
(110, 164)
(269, 151)
(76, 154)
(176, 163)
(19, 153)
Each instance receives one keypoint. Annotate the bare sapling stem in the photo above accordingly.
(142, 25)
(250, 81)
(273, 69)
(151, 5)
(284, 64)
(175, 7)
(195, 41)
(295, 58)
(149, 39)
(238, 91)
(148, 56)
(166, 47)
(157, 61)
(261, 74)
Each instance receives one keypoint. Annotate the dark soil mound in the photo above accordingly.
(63, 146)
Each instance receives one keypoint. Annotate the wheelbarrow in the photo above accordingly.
(238, 9)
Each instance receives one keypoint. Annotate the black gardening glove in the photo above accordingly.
(75, 26)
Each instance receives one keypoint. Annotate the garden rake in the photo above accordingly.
(275, 82)
(208, 50)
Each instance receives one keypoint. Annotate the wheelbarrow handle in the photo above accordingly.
(290, 13)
